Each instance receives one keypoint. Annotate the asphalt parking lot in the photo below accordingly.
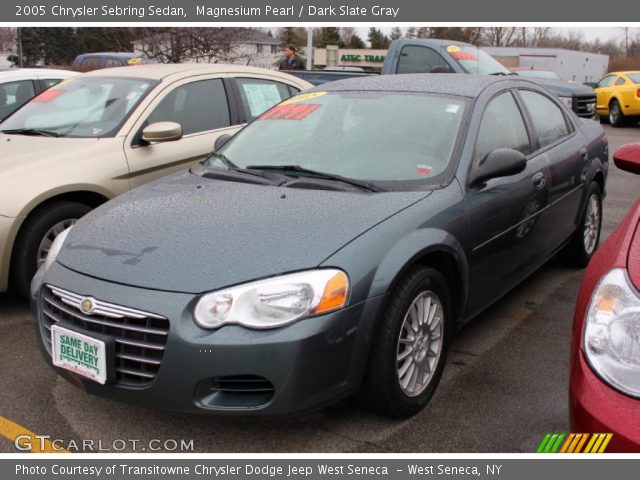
(504, 387)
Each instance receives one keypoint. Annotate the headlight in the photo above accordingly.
(275, 302)
(612, 332)
(56, 246)
(568, 101)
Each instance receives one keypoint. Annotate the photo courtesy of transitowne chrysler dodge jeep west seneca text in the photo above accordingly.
(331, 248)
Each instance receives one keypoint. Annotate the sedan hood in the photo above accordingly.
(186, 233)
(23, 154)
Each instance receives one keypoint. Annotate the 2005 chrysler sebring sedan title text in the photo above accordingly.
(332, 247)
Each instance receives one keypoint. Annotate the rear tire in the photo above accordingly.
(35, 236)
(409, 349)
(587, 236)
(616, 117)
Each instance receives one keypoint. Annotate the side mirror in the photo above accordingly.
(627, 158)
(501, 162)
(220, 141)
(162, 132)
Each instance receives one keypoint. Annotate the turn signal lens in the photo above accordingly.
(335, 293)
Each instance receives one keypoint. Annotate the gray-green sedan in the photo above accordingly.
(331, 248)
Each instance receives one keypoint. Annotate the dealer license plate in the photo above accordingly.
(79, 353)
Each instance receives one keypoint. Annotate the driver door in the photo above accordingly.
(507, 220)
(201, 106)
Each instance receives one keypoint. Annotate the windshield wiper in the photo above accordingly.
(277, 179)
(31, 131)
(288, 169)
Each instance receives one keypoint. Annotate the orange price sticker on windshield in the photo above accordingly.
(464, 56)
(290, 111)
(47, 96)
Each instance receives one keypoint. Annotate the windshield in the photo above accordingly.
(373, 136)
(537, 74)
(473, 60)
(81, 107)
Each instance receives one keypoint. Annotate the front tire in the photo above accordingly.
(36, 236)
(587, 236)
(410, 346)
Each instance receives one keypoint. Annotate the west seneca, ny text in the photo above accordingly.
(260, 470)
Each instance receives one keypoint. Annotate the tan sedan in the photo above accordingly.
(102, 133)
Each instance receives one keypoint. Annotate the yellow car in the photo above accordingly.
(618, 97)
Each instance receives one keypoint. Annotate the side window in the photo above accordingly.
(13, 95)
(416, 59)
(502, 126)
(199, 107)
(549, 122)
(606, 81)
(620, 81)
(259, 95)
(50, 82)
(112, 62)
(89, 64)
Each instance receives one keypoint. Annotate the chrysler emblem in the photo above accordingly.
(87, 305)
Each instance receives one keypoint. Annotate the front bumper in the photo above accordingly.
(308, 364)
(594, 407)
(6, 241)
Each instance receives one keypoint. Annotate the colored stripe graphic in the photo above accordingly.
(11, 431)
(574, 443)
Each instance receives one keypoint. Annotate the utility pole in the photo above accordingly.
(19, 34)
(309, 48)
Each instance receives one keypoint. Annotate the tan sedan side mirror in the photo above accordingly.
(162, 132)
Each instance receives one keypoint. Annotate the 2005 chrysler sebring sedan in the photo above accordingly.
(333, 246)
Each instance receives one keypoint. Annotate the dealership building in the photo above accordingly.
(571, 65)
(332, 56)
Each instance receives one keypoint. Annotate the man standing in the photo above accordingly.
(291, 61)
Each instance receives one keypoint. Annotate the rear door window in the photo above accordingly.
(259, 95)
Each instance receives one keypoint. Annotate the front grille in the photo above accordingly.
(140, 337)
(585, 106)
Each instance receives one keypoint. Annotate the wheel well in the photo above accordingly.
(91, 199)
(448, 266)
(612, 100)
(599, 178)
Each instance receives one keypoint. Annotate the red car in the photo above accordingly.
(604, 394)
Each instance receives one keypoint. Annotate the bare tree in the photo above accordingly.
(7, 39)
(198, 44)
(500, 36)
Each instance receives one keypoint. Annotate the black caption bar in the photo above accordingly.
(308, 469)
(328, 12)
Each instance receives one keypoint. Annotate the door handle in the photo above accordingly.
(539, 181)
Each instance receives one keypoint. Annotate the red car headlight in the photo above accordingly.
(612, 332)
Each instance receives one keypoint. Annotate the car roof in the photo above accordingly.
(624, 72)
(159, 71)
(25, 72)
(439, 83)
